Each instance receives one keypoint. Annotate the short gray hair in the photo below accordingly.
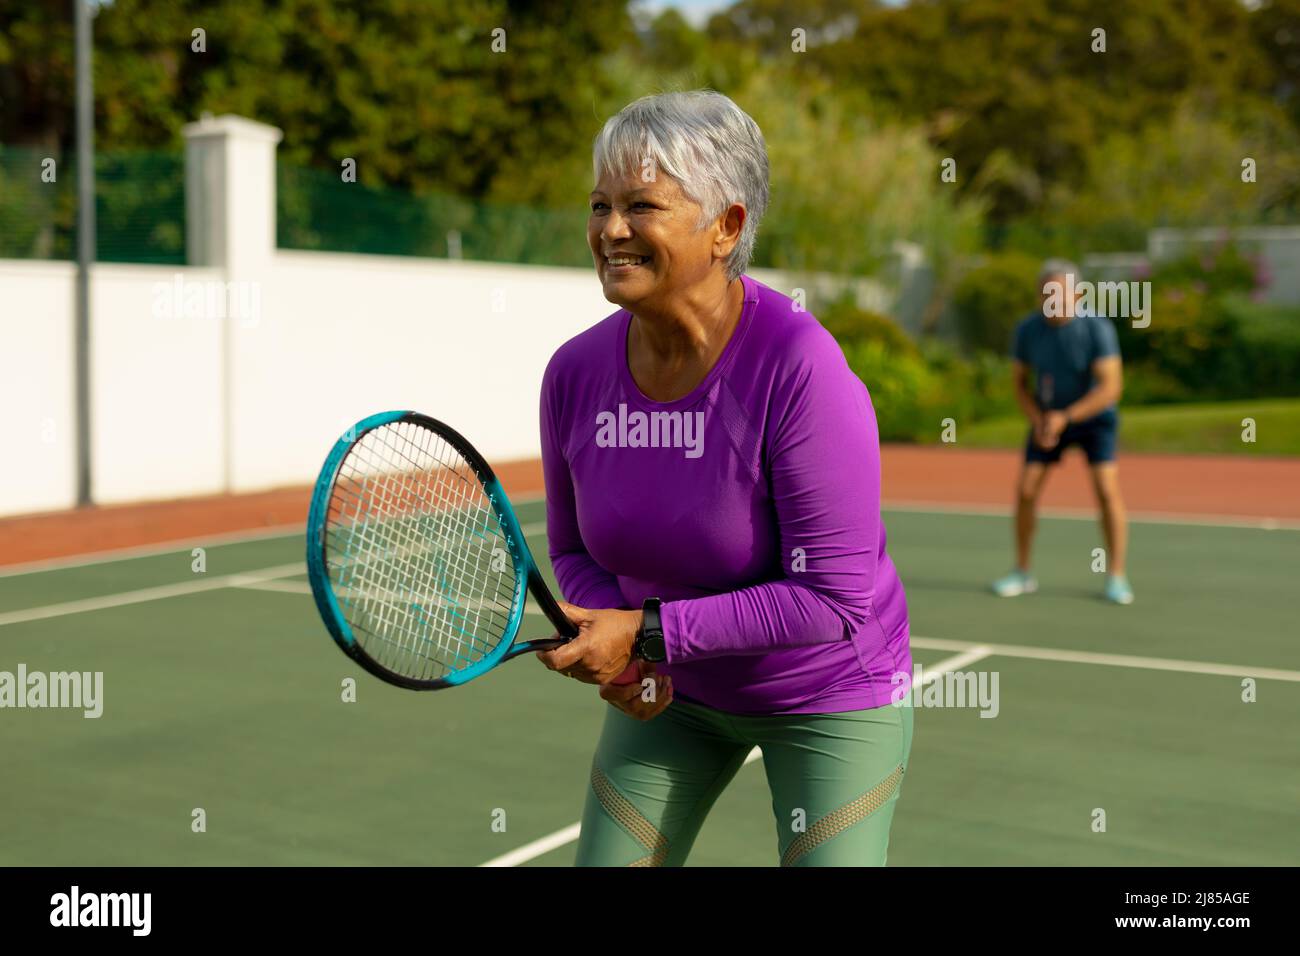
(1058, 267)
(704, 141)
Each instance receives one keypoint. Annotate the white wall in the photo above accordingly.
(336, 338)
(155, 389)
(343, 336)
(204, 403)
(37, 394)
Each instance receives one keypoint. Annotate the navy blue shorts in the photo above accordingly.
(1097, 437)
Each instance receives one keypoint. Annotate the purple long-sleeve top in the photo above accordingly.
(751, 507)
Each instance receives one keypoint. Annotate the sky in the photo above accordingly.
(695, 12)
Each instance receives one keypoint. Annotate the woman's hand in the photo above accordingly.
(629, 698)
(603, 648)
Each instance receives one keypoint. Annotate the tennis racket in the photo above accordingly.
(416, 559)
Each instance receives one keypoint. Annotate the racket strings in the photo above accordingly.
(416, 553)
(441, 529)
(398, 620)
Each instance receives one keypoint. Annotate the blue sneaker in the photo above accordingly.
(1015, 584)
(1118, 590)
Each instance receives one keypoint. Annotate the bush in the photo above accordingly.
(850, 324)
(915, 387)
(993, 297)
(1146, 383)
(1208, 339)
(991, 385)
(1213, 272)
(1188, 340)
(1268, 341)
(902, 387)
(972, 389)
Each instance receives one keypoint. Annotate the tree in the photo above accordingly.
(414, 92)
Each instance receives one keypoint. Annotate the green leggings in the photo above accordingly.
(835, 779)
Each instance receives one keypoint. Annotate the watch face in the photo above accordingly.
(653, 648)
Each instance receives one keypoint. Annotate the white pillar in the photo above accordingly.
(230, 225)
(230, 192)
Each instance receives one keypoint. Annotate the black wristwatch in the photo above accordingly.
(649, 644)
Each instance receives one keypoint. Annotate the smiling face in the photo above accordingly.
(654, 224)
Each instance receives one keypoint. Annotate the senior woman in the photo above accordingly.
(712, 475)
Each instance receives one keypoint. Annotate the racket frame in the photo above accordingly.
(527, 574)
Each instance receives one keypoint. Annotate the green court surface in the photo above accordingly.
(223, 693)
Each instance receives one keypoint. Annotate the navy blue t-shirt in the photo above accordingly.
(1061, 356)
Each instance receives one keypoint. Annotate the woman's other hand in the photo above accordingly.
(631, 697)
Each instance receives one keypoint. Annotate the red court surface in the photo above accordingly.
(942, 476)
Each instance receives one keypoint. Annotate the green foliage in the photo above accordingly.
(1015, 93)
(850, 324)
(1146, 383)
(888, 362)
(1181, 170)
(36, 74)
(1204, 429)
(670, 43)
(316, 210)
(915, 387)
(1215, 272)
(1190, 339)
(991, 298)
(1268, 338)
(904, 391)
(413, 91)
(974, 388)
(1208, 338)
(913, 392)
(1042, 127)
(837, 205)
(139, 203)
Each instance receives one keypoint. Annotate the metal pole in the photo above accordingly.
(85, 240)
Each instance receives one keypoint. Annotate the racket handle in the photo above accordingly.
(563, 626)
(546, 644)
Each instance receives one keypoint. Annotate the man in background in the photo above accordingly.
(1077, 379)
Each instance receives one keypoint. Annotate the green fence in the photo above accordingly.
(139, 203)
(140, 208)
(317, 210)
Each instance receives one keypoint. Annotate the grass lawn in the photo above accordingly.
(1213, 429)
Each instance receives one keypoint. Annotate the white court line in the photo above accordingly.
(258, 580)
(1111, 660)
(243, 579)
(89, 558)
(149, 594)
(304, 588)
(910, 507)
(199, 540)
(553, 841)
(1084, 514)
(535, 849)
(281, 587)
(981, 650)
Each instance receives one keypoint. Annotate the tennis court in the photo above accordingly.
(222, 691)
